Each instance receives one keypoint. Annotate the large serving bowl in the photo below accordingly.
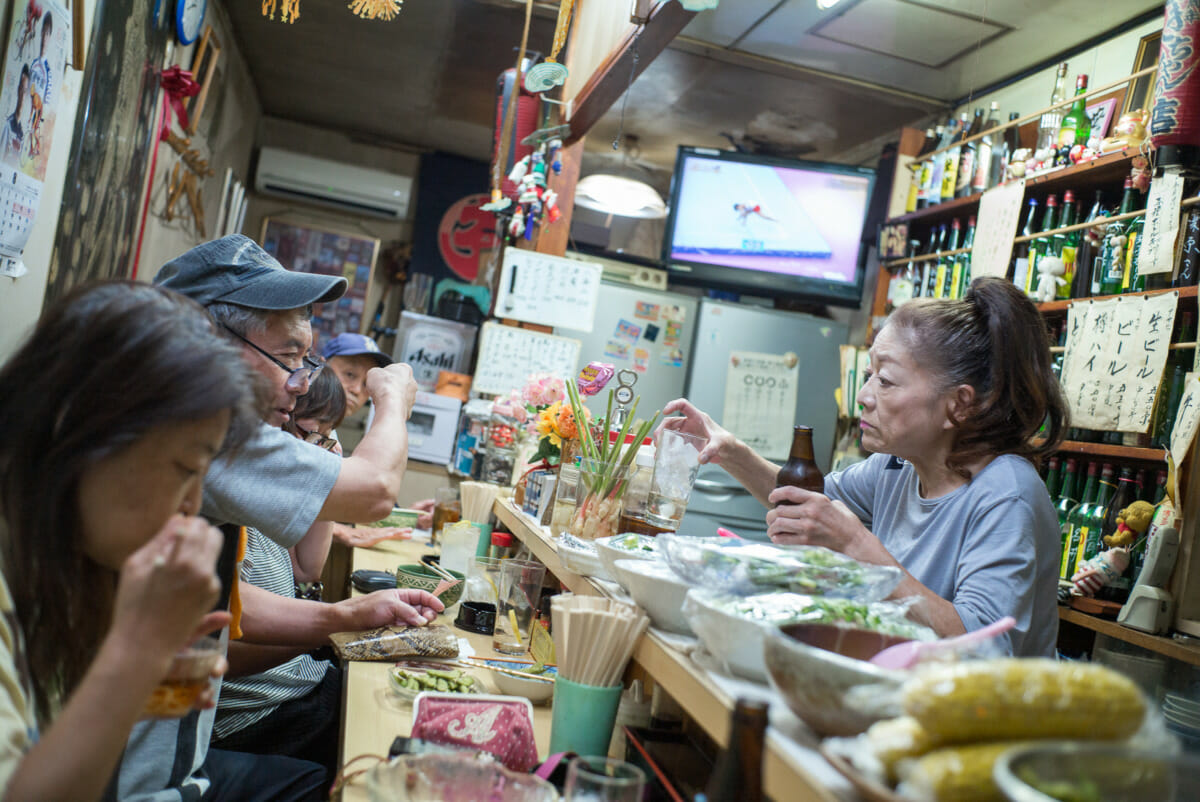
(813, 666)
(453, 778)
(422, 577)
(625, 547)
(658, 591)
(734, 641)
(1092, 770)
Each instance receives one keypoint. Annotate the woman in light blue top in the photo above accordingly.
(951, 495)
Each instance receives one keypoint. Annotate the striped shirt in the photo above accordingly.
(246, 700)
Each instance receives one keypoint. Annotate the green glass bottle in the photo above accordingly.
(1054, 478)
(1090, 544)
(1075, 526)
(1066, 246)
(1041, 246)
(1020, 266)
(945, 264)
(960, 277)
(1068, 496)
(1112, 257)
(1076, 124)
(1164, 422)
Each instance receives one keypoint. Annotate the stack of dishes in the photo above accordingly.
(1183, 718)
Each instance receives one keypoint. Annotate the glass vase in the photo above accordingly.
(599, 497)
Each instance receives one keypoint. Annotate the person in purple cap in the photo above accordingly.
(276, 483)
(351, 357)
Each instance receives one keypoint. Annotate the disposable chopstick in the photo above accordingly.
(468, 662)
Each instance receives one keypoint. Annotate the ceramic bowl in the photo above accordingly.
(735, 642)
(1113, 772)
(421, 577)
(658, 591)
(536, 690)
(624, 547)
(813, 666)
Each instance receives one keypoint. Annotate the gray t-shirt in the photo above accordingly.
(277, 484)
(991, 547)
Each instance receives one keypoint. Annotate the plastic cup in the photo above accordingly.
(188, 676)
(601, 779)
(676, 463)
(583, 717)
(459, 541)
(516, 609)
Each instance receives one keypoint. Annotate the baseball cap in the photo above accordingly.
(347, 344)
(236, 270)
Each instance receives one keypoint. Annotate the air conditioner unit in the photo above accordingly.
(347, 187)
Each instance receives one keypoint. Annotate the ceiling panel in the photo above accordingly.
(911, 31)
(726, 23)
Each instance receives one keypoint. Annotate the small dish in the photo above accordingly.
(629, 546)
(478, 617)
(428, 681)
(537, 688)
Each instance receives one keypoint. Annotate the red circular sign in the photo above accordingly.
(465, 234)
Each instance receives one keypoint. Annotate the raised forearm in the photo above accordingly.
(269, 619)
(753, 471)
(310, 553)
(369, 482)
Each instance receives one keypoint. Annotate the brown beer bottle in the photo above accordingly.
(737, 776)
(801, 470)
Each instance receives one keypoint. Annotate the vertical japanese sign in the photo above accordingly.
(999, 209)
(1116, 353)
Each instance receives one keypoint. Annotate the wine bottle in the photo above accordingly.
(1076, 124)
(1051, 121)
(986, 147)
(966, 157)
(1066, 246)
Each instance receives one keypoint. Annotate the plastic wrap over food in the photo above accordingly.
(390, 643)
(773, 609)
(745, 568)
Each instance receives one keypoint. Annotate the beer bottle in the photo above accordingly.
(737, 776)
(801, 470)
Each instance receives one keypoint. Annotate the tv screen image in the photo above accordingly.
(761, 224)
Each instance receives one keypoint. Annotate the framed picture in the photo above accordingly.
(1141, 91)
(310, 249)
(1102, 111)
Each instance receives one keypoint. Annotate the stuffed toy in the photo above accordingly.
(1132, 523)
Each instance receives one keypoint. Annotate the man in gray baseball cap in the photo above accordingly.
(277, 484)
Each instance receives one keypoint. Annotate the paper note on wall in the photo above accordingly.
(548, 290)
(998, 212)
(507, 355)
(1116, 353)
(1156, 254)
(1186, 420)
(760, 400)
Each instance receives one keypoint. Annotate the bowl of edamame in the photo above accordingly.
(408, 682)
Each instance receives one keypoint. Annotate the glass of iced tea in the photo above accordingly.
(188, 676)
(447, 509)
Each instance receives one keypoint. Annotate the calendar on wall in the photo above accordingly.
(548, 290)
(760, 400)
(507, 355)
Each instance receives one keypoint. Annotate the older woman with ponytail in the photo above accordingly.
(951, 494)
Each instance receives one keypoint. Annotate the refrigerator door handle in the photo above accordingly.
(713, 488)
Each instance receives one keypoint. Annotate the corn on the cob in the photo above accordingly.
(895, 739)
(954, 774)
(1023, 698)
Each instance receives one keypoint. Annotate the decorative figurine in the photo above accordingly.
(1129, 132)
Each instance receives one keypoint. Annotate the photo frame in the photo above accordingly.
(314, 249)
(1102, 111)
(204, 67)
(1140, 93)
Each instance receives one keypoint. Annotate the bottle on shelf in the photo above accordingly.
(1040, 247)
(966, 157)
(1066, 246)
(900, 289)
(1051, 121)
(945, 264)
(950, 160)
(932, 189)
(1131, 281)
(960, 277)
(737, 775)
(919, 167)
(1127, 493)
(1009, 144)
(985, 151)
(1091, 544)
(1164, 421)
(1068, 495)
(1076, 124)
(1053, 477)
(929, 269)
(1020, 276)
(801, 469)
(1088, 265)
(1075, 530)
(1189, 264)
(1112, 255)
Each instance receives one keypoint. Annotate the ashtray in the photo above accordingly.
(476, 616)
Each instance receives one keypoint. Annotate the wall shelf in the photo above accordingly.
(1062, 306)
(1108, 450)
(1187, 652)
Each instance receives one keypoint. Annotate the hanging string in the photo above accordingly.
(616, 144)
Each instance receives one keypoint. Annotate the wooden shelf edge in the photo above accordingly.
(1108, 450)
(1062, 306)
(1184, 652)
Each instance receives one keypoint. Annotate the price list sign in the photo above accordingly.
(1116, 353)
(760, 400)
(507, 355)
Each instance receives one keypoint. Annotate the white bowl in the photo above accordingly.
(658, 591)
(533, 688)
(735, 641)
(609, 553)
(581, 557)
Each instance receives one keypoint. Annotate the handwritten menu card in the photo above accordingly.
(998, 212)
(1156, 254)
(507, 355)
(548, 290)
(760, 400)
(1116, 353)
(1186, 420)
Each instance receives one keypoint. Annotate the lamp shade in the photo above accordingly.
(625, 197)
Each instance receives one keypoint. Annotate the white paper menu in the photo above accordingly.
(999, 209)
(760, 400)
(507, 355)
(1156, 253)
(1116, 354)
(548, 290)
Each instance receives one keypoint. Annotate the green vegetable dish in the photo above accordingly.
(410, 683)
(792, 608)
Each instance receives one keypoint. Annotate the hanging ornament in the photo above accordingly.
(376, 9)
(549, 74)
(289, 11)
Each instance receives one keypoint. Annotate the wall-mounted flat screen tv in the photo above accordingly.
(768, 226)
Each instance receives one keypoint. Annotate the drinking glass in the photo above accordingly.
(483, 580)
(459, 540)
(187, 677)
(446, 509)
(516, 609)
(601, 779)
(675, 466)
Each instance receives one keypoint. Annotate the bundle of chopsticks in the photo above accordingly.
(477, 500)
(594, 637)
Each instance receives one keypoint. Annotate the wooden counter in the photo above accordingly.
(793, 768)
(371, 715)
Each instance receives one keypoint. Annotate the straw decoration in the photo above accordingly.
(595, 637)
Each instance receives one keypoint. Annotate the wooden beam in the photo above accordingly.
(554, 236)
(612, 78)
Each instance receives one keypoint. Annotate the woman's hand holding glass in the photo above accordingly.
(721, 442)
(804, 518)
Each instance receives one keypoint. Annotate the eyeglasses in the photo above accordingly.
(316, 438)
(298, 378)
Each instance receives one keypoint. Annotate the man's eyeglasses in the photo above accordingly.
(316, 438)
(298, 378)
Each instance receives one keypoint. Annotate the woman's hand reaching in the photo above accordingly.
(720, 442)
